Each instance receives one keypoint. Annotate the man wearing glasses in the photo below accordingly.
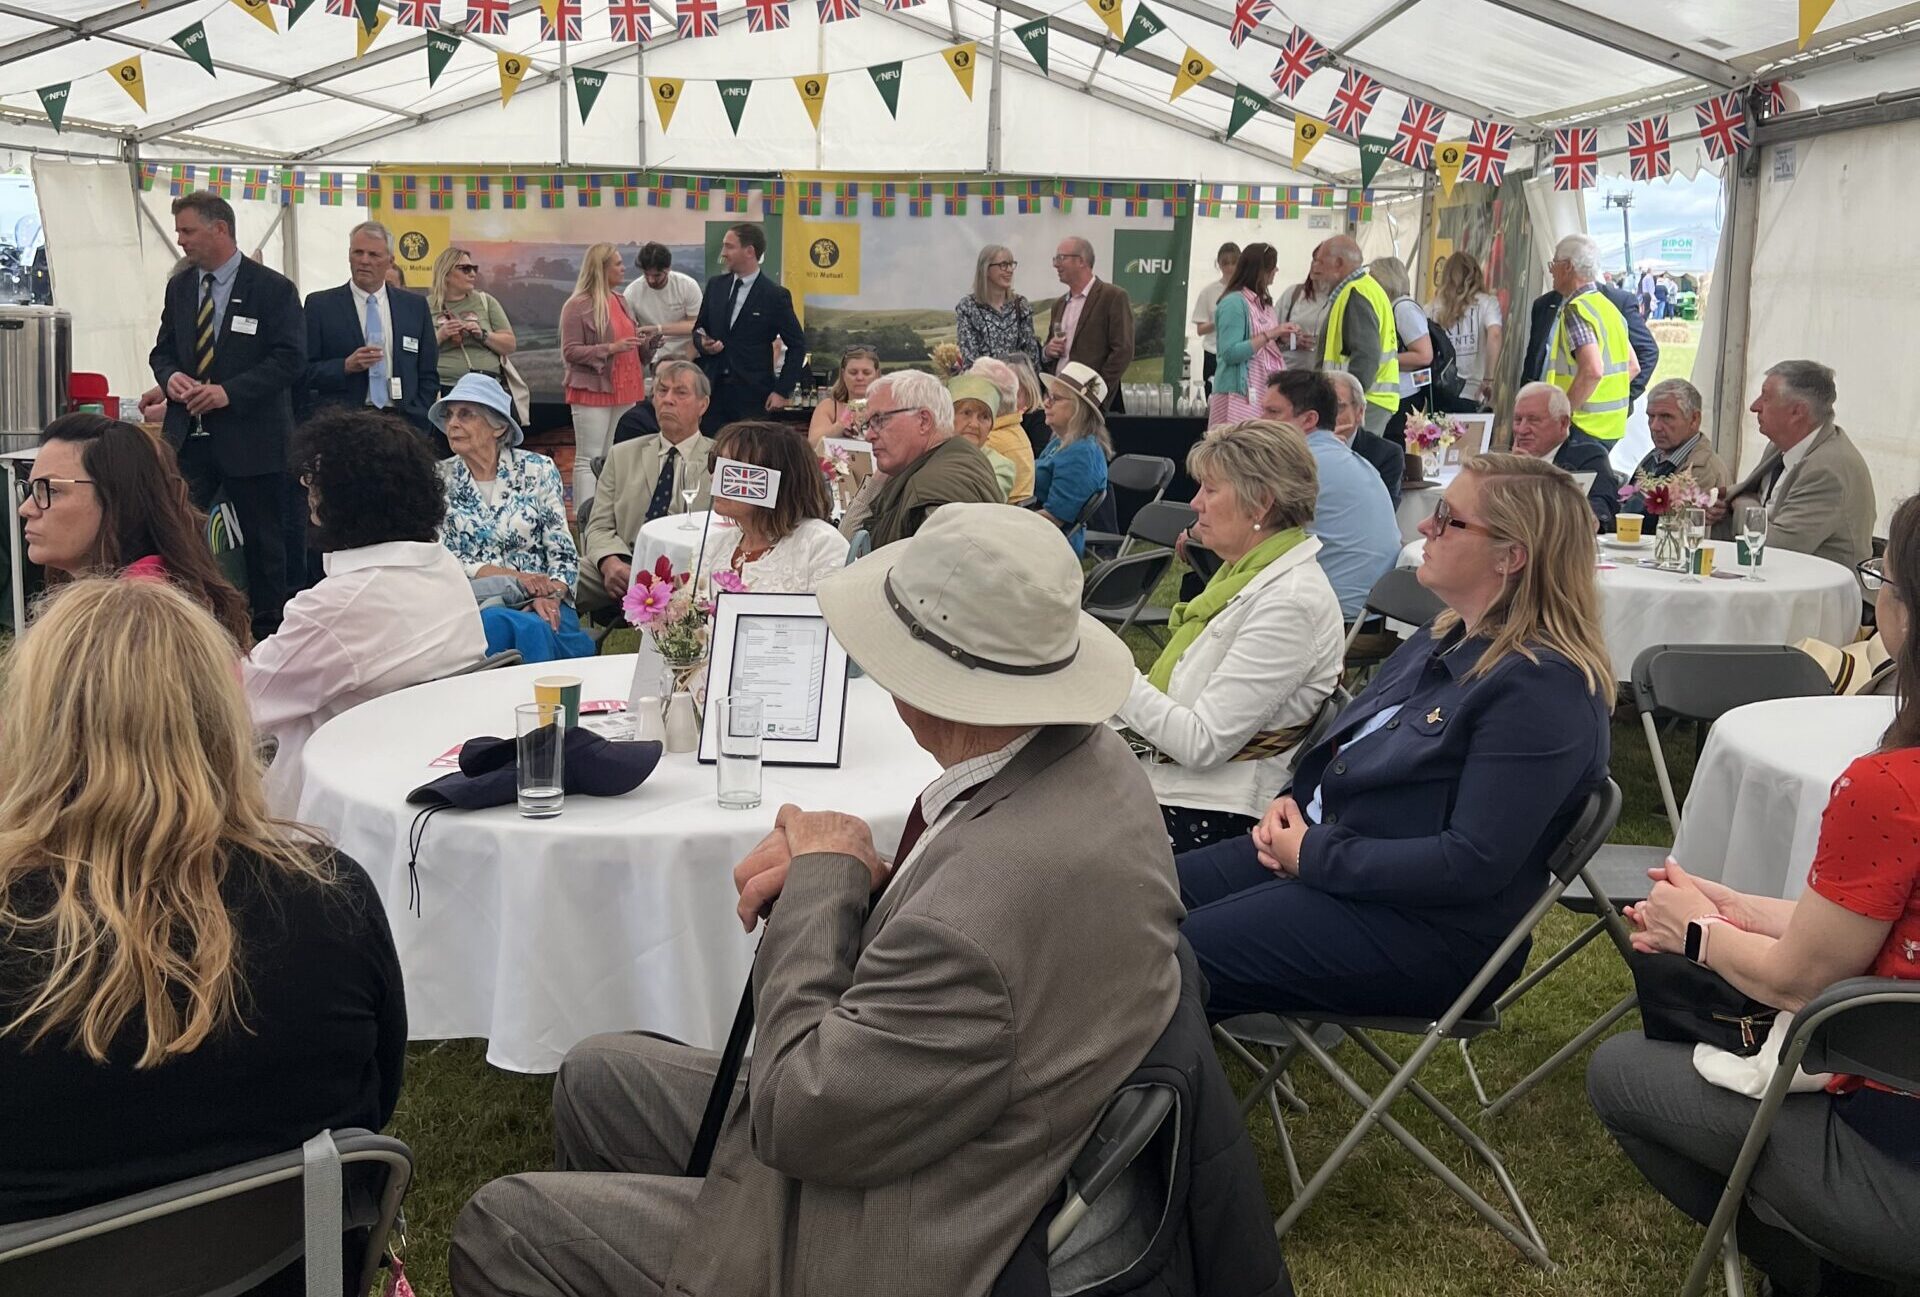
(1092, 322)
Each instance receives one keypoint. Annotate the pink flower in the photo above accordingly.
(646, 600)
(730, 582)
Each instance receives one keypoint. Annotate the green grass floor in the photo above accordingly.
(1382, 1226)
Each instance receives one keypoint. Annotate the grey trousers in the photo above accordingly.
(626, 1109)
(1685, 1135)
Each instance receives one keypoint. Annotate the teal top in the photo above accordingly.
(1233, 328)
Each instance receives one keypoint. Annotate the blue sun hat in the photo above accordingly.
(479, 389)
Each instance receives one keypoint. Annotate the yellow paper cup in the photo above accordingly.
(1626, 527)
(564, 690)
(1703, 561)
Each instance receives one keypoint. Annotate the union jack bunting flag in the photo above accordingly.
(1649, 149)
(1773, 99)
(767, 15)
(1576, 158)
(697, 18)
(1352, 102)
(564, 24)
(419, 13)
(440, 193)
(1418, 132)
(747, 483)
(1298, 59)
(631, 21)
(1246, 16)
(479, 193)
(895, 6)
(340, 8)
(1723, 126)
(293, 187)
(1486, 153)
(833, 11)
(484, 17)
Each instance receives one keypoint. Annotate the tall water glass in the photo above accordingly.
(540, 760)
(1693, 534)
(741, 720)
(1753, 534)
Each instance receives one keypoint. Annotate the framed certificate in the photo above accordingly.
(778, 648)
(1476, 438)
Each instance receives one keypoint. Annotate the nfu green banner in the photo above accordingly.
(1151, 265)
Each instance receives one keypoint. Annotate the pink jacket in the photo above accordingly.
(584, 348)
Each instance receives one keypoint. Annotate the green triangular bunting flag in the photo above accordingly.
(193, 40)
(1247, 104)
(1034, 37)
(1373, 151)
(369, 11)
(886, 79)
(586, 89)
(1145, 25)
(299, 7)
(54, 100)
(441, 47)
(733, 96)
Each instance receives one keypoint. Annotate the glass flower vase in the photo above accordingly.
(1669, 549)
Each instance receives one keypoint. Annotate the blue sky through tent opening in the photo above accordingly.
(1676, 222)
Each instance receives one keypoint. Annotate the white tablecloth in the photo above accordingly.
(618, 915)
(1802, 597)
(1752, 818)
(673, 537)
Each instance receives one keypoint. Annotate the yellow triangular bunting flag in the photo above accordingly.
(550, 10)
(512, 68)
(364, 37)
(261, 11)
(1195, 67)
(1307, 132)
(813, 93)
(961, 59)
(1109, 11)
(666, 98)
(132, 80)
(1812, 13)
(1446, 160)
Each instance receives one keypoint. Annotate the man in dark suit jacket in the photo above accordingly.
(344, 355)
(1092, 320)
(231, 351)
(1646, 349)
(741, 314)
(1543, 428)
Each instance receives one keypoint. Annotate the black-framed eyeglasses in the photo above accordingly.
(1873, 575)
(1443, 518)
(41, 488)
(467, 266)
(875, 421)
(1002, 265)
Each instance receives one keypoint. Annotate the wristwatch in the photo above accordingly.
(1697, 936)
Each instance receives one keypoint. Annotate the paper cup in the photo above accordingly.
(564, 690)
(1626, 527)
(1703, 561)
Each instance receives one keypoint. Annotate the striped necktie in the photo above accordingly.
(204, 329)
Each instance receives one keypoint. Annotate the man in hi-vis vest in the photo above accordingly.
(1590, 358)
(1359, 336)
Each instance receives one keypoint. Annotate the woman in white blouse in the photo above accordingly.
(1253, 658)
(785, 548)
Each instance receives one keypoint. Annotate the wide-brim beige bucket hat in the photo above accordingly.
(1081, 382)
(976, 619)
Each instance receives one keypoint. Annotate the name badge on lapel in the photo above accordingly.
(409, 344)
(245, 324)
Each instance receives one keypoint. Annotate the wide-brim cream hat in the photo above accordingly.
(976, 619)
(1082, 381)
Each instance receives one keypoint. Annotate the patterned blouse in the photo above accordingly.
(525, 529)
(983, 331)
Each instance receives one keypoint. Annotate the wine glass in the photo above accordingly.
(687, 494)
(1753, 532)
(1693, 534)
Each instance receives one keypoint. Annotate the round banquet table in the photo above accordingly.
(616, 916)
(1752, 817)
(1803, 597)
(672, 537)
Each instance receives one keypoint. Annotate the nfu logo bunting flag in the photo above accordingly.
(746, 483)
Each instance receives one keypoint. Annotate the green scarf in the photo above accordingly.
(1190, 618)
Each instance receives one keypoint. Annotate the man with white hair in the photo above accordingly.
(1815, 486)
(910, 423)
(1359, 336)
(1388, 459)
(1542, 429)
(1590, 357)
(1679, 446)
(368, 345)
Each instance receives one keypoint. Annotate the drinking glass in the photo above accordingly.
(1753, 531)
(687, 495)
(540, 758)
(1693, 534)
(740, 721)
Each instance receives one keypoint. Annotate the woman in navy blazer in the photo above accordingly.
(1416, 834)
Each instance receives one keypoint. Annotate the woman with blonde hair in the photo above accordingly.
(837, 416)
(474, 333)
(1471, 316)
(601, 345)
(185, 983)
(1416, 834)
(992, 319)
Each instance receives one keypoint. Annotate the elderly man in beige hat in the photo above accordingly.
(937, 1034)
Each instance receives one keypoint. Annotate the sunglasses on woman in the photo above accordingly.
(468, 266)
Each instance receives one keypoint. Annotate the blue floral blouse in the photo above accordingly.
(526, 530)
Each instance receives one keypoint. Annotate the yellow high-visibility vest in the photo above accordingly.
(1604, 416)
(1383, 389)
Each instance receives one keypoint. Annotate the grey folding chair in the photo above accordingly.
(1864, 1026)
(1118, 590)
(1147, 475)
(1697, 682)
(1396, 596)
(1293, 1035)
(491, 662)
(227, 1231)
(860, 546)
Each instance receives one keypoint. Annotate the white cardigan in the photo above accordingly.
(1266, 661)
(796, 564)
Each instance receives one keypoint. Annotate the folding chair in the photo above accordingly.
(1864, 1026)
(1293, 1034)
(1698, 682)
(1117, 591)
(1147, 475)
(224, 1232)
(1396, 596)
(491, 662)
(860, 546)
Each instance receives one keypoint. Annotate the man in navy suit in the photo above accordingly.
(741, 314)
(229, 356)
(1543, 428)
(368, 345)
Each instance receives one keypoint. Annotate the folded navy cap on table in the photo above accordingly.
(593, 765)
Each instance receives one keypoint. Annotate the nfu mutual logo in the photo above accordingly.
(1150, 266)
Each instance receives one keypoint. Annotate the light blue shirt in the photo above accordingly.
(222, 288)
(740, 298)
(1375, 722)
(1359, 536)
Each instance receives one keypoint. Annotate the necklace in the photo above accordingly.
(743, 556)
